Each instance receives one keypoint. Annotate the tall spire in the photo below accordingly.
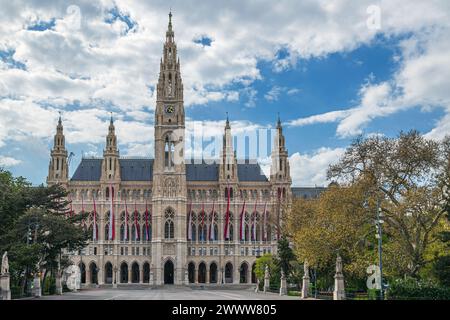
(58, 167)
(170, 34)
(279, 122)
(227, 124)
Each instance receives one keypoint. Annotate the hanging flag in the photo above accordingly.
(202, 223)
(70, 204)
(265, 222)
(136, 224)
(279, 212)
(147, 236)
(254, 222)
(227, 218)
(189, 236)
(111, 229)
(94, 226)
(125, 233)
(242, 224)
(211, 235)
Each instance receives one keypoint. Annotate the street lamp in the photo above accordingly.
(379, 236)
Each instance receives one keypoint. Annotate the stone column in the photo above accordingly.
(207, 276)
(305, 284)
(283, 286)
(150, 281)
(58, 283)
(141, 275)
(130, 274)
(186, 277)
(115, 277)
(266, 279)
(339, 288)
(196, 276)
(37, 292)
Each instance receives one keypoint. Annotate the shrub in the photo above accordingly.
(413, 289)
(49, 286)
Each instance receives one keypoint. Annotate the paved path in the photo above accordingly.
(167, 293)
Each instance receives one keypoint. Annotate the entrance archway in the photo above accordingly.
(213, 273)
(146, 272)
(93, 270)
(229, 273)
(243, 273)
(168, 272)
(83, 272)
(253, 273)
(108, 273)
(123, 273)
(191, 272)
(135, 273)
(202, 273)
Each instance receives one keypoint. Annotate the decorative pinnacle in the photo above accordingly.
(170, 19)
(279, 121)
(227, 125)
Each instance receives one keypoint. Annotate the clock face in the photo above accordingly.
(170, 109)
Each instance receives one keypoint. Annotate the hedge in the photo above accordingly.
(412, 289)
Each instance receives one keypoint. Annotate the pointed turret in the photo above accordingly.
(228, 168)
(279, 170)
(58, 170)
(110, 166)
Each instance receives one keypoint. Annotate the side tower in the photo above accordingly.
(58, 170)
(228, 174)
(169, 245)
(280, 176)
(110, 164)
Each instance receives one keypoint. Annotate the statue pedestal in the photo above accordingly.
(305, 287)
(37, 292)
(339, 288)
(4, 287)
(266, 284)
(283, 286)
(58, 285)
(266, 279)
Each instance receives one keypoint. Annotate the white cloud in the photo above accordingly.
(310, 169)
(8, 161)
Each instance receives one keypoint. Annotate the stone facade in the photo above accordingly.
(151, 244)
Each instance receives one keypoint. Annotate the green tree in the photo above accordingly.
(285, 255)
(35, 228)
(406, 175)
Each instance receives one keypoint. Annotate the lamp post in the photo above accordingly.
(379, 235)
(115, 277)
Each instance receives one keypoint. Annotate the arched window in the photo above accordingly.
(169, 225)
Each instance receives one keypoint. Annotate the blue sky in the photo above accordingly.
(329, 74)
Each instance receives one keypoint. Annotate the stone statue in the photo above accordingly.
(339, 285)
(73, 277)
(266, 272)
(338, 264)
(306, 268)
(5, 263)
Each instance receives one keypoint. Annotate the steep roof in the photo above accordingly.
(142, 170)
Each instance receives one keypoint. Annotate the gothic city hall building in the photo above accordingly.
(169, 220)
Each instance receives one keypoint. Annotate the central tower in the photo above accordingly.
(169, 172)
